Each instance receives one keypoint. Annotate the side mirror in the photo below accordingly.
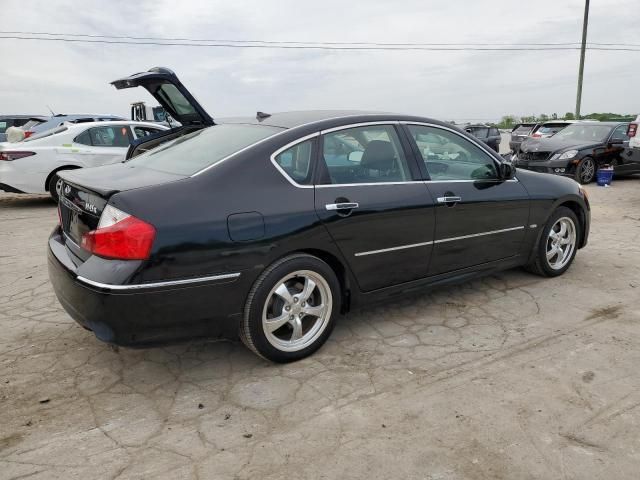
(507, 171)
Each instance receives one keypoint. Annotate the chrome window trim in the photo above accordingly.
(369, 184)
(169, 283)
(434, 242)
(287, 147)
(358, 125)
(484, 148)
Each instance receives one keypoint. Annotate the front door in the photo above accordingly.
(479, 217)
(373, 205)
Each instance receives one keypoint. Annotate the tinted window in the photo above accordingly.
(84, 138)
(449, 156)
(495, 132)
(522, 130)
(479, 132)
(296, 162)
(173, 97)
(620, 133)
(365, 155)
(202, 148)
(3, 126)
(111, 136)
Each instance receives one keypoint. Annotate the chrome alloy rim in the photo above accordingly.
(59, 187)
(588, 169)
(297, 311)
(561, 242)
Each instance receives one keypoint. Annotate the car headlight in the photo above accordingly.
(569, 154)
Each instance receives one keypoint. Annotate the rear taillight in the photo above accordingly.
(28, 133)
(536, 135)
(121, 236)
(632, 129)
(9, 155)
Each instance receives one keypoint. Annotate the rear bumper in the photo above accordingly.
(144, 315)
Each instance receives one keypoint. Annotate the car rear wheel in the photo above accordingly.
(558, 244)
(291, 309)
(585, 171)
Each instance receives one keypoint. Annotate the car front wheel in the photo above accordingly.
(558, 244)
(291, 309)
(585, 171)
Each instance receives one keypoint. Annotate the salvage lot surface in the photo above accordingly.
(512, 376)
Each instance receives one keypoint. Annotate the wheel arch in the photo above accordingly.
(58, 169)
(338, 268)
(576, 208)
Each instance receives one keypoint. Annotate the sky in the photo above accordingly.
(468, 85)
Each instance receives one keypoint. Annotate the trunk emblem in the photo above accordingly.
(90, 207)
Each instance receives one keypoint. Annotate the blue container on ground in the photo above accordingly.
(604, 176)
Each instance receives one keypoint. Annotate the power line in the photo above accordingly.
(321, 43)
(316, 46)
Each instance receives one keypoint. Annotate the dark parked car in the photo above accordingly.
(520, 133)
(578, 151)
(489, 135)
(7, 121)
(270, 227)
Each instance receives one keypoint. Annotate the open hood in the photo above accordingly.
(167, 89)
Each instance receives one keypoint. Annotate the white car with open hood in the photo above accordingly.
(31, 166)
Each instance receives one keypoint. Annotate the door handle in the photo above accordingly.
(449, 199)
(341, 206)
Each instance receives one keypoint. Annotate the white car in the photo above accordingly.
(31, 166)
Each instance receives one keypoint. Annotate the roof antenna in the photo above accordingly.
(52, 113)
(261, 115)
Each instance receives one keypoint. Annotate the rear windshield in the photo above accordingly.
(203, 148)
(522, 130)
(551, 128)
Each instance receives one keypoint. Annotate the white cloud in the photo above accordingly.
(74, 77)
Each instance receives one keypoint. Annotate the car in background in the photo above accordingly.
(32, 166)
(486, 133)
(519, 133)
(549, 129)
(269, 227)
(631, 154)
(578, 151)
(59, 119)
(8, 121)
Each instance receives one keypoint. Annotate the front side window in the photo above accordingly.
(205, 147)
(620, 133)
(111, 136)
(371, 154)
(296, 162)
(449, 156)
(144, 131)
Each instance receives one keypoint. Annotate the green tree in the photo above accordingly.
(569, 116)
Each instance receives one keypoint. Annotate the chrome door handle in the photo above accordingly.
(449, 199)
(341, 206)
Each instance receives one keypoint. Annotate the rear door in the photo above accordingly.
(373, 204)
(479, 217)
(167, 89)
(103, 145)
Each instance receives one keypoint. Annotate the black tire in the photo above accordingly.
(585, 171)
(252, 332)
(52, 187)
(540, 265)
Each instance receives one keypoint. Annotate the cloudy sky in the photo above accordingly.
(464, 85)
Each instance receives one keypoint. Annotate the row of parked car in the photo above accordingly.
(576, 148)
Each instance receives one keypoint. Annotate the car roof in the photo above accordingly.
(37, 117)
(314, 120)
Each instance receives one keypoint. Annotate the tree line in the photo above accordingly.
(509, 121)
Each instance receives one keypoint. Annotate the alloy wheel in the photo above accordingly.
(587, 170)
(297, 310)
(561, 243)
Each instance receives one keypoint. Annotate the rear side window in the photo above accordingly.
(111, 136)
(144, 131)
(296, 162)
(84, 138)
(201, 149)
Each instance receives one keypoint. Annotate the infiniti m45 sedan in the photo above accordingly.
(269, 228)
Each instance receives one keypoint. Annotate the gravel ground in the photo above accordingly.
(509, 377)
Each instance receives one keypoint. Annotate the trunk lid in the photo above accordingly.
(167, 89)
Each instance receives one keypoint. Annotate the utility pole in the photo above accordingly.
(582, 50)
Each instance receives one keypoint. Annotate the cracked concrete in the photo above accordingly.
(512, 376)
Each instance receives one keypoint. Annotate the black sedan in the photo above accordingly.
(270, 227)
(578, 151)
